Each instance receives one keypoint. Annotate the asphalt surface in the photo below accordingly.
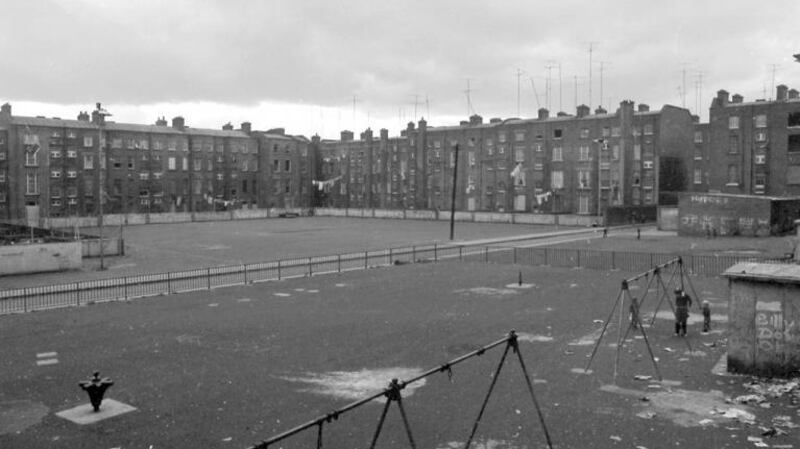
(230, 367)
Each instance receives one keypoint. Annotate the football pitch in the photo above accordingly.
(232, 366)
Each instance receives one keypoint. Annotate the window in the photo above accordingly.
(55, 203)
(172, 145)
(31, 184)
(584, 179)
(761, 121)
(471, 157)
(131, 163)
(87, 141)
(501, 149)
(158, 145)
(760, 159)
(557, 179)
(88, 162)
(615, 131)
(761, 136)
(72, 154)
(557, 156)
(606, 131)
(276, 166)
(219, 177)
(698, 176)
(584, 133)
(198, 164)
(733, 122)
(55, 173)
(519, 135)
(72, 192)
(519, 155)
(557, 133)
(32, 156)
(2, 155)
(2, 176)
(55, 192)
(55, 154)
(88, 187)
(760, 181)
(583, 153)
(144, 176)
(72, 174)
(116, 143)
(698, 136)
(158, 175)
(733, 174)
(648, 129)
(171, 163)
(647, 164)
(501, 136)
(733, 148)
(793, 119)
(287, 165)
(71, 135)
(615, 152)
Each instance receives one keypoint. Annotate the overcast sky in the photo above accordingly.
(300, 64)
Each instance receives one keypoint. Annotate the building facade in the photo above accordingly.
(578, 163)
(52, 167)
(750, 148)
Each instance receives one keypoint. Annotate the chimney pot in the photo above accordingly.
(178, 123)
(793, 94)
(736, 98)
(543, 113)
(246, 127)
(582, 111)
(643, 107)
(782, 90)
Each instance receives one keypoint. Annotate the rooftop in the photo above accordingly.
(764, 272)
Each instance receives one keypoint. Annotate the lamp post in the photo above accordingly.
(453, 197)
(99, 115)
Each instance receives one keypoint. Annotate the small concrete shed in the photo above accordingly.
(764, 319)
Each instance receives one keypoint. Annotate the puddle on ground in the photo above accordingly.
(354, 385)
(487, 291)
(686, 408)
(588, 339)
(694, 318)
(531, 338)
(16, 416)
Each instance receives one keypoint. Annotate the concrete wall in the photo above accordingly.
(668, 218)
(764, 327)
(461, 216)
(36, 258)
(700, 213)
(112, 246)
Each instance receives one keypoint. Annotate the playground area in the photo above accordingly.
(230, 367)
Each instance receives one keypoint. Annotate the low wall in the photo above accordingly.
(461, 216)
(668, 218)
(112, 246)
(37, 258)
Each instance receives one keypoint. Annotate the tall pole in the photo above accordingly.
(100, 187)
(453, 197)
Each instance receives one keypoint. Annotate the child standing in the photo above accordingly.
(706, 316)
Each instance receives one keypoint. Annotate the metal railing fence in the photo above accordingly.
(143, 285)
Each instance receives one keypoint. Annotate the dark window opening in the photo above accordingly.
(794, 143)
(794, 119)
(557, 133)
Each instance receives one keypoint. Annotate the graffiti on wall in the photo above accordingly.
(777, 335)
(704, 199)
(725, 225)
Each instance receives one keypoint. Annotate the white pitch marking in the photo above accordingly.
(213, 304)
(46, 355)
(313, 291)
(299, 289)
(281, 294)
(340, 285)
(243, 300)
(46, 362)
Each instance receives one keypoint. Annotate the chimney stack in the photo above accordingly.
(346, 135)
(600, 110)
(246, 127)
(475, 119)
(83, 116)
(722, 97)
(736, 98)
(5, 109)
(782, 91)
(793, 94)
(161, 121)
(384, 134)
(643, 107)
(281, 131)
(227, 127)
(178, 123)
(543, 113)
(582, 111)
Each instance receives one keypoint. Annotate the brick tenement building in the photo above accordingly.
(750, 147)
(565, 164)
(51, 167)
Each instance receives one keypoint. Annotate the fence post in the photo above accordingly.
(390, 256)
(578, 257)
(366, 257)
(486, 254)
(279, 270)
(208, 277)
(125, 287)
(77, 293)
(435, 253)
(413, 254)
(310, 272)
(460, 248)
(169, 283)
(515, 255)
(613, 260)
(339, 263)
(25, 299)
